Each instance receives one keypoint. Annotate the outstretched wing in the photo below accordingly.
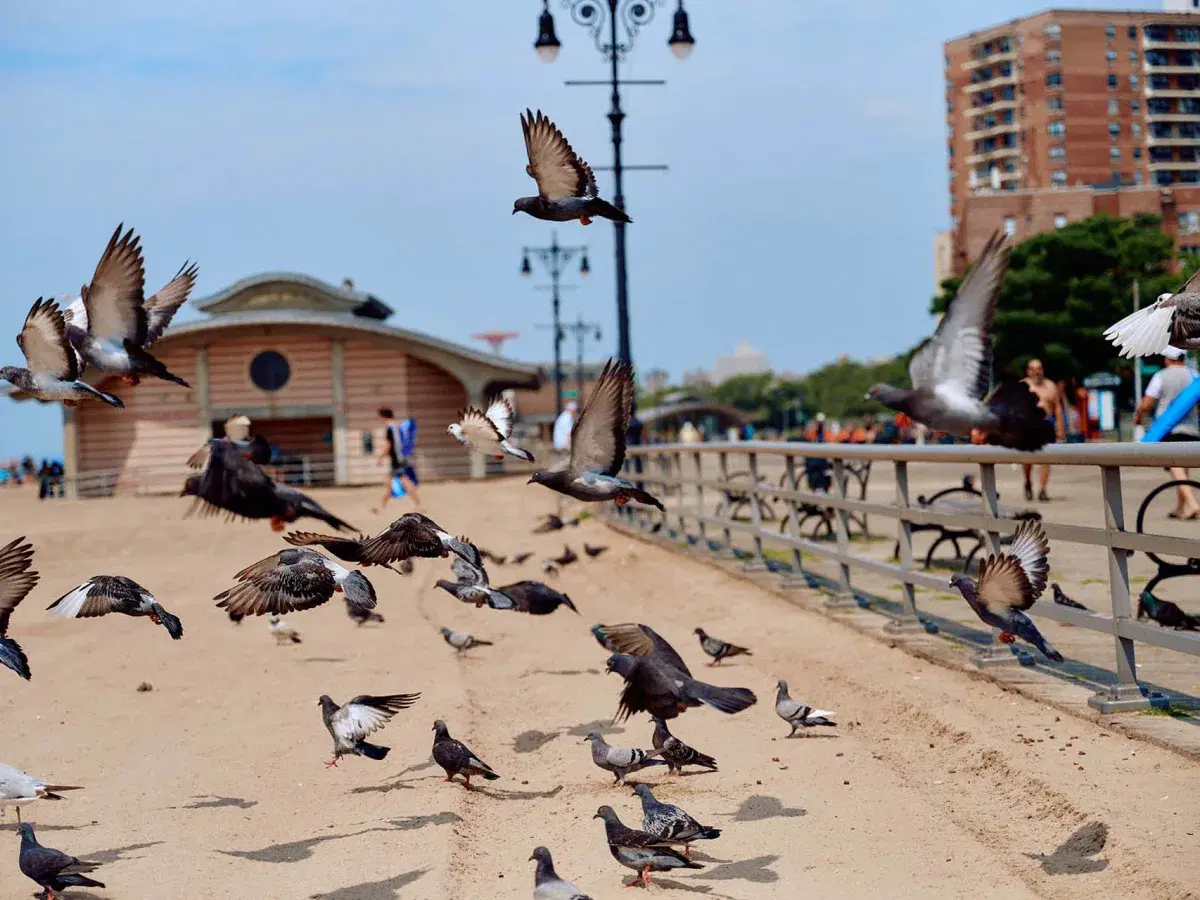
(280, 589)
(642, 640)
(365, 714)
(468, 568)
(500, 414)
(478, 428)
(17, 578)
(598, 438)
(411, 535)
(557, 169)
(1031, 549)
(114, 298)
(1015, 579)
(99, 596)
(162, 306)
(43, 340)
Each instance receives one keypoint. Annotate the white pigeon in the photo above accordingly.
(18, 789)
(800, 715)
(282, 631)
(1172, 319)
(488, 432)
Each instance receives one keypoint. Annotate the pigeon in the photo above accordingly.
(16, 581)
(676, 753)
(536, 598)
(566, 184)
(18, 789)
(1172, 319)
(639, 640)
(663, 691)
(719, 649)
(461, 641)
(1061, 598)
(593, 552)
(349, 725)
(54, 366)
(546, 883)
(104, 594)
(1010, 583)
(344, 548)
(637, 850)
(492, 557)
(598, 445)
(670, 823)
(362, 616)
(1166, 613)
(413, 534)
(549, 524)
(621, 761)
(520, 558)
(950, 372)
(567, 557)
(283, 632)
(799, 715)
(294, 579)
(52, 869)
(109, 325)
(471, 584)
(488, 432)
(549, 567)
(456, 758)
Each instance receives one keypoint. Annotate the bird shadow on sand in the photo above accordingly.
(14, 827)
(670, 885)
(412, 823)
(104, 857)
(756, 870)
(1074, 855)
(561, 672)
(529, 741)
(801, 736)
(321, 659)
(398, 783)
(757, 807)
(501, 794)
(388, 889)
(292, 851)
(211, 801)
(600, 726)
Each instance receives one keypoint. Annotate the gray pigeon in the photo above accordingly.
(104, 594)
(489, 432)
(1172, 319)
(52, 869)
(349, 725)
(639, 640)
(456, 758)
(663, 820)
(676, 753)
(951, 371)
(461, 641)
(294, 579)
(1009, 584)
(621, 761)
(471, 581)
(55, 369)
(536, 598)
(591, 472)
(546, 883)
(110, 324)
(637, 850)
(719, 649)
(16, 581)
(566, 184)
(413, 534)
(18, 789)
(797, 714)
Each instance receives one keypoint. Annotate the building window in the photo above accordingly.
(1058, 177)
(1191, 250)
(1060, 220)
(1114, 107)
(1058, 152)
(1133, 57)
(1054, 104)
(1159, 106)
(1056, 128)
(1189, 177)
(1133, 32)
(1137, 177)
(1111, 56)
(1010, 225)
(1112, 82)
(1156, 33)
(1160, 82)
(1188, 222)
(1157, 57)
(1116, 177)
(1136, 130)
(1054, 79)
(1114, 152)
(368, 443)
(1134, 81)
(270, 370)
(1160, 129)
(1053, 31)
(1162, 178)
(1137, 152)
(1053, 57)
(1114, 128)
(1188, 34)
(1110, 31)
(1135, 105)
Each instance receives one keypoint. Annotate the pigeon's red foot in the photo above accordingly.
(154, 618)
(584, 220)
(131, 380)
(450, 778)
(499, 458)
(621, 500)
(332, 763)
(277, 524)
(1006, 638)
(337, 589)
(467, 783)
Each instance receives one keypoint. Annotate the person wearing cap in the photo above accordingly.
(1167, 384)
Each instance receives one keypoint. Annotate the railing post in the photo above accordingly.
(723, 463)
(844, 598)
(680, 502)
(702, 528)
(994, 653)
(1126, 694)
(795, 578)
(908, 621)
(759, 561)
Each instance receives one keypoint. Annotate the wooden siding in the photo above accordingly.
(309, 358)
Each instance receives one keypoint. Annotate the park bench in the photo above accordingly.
(736, 501)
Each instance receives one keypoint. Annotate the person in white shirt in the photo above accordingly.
(1167, 384)
(562, 427)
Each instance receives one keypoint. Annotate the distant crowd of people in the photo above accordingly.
(49, 474)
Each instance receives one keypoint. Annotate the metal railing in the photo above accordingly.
(168, 477)
(662, 466)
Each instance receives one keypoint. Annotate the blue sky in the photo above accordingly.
(380, 140)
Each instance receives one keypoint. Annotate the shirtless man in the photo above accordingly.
(1049, 399)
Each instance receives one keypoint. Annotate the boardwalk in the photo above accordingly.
(936, 785)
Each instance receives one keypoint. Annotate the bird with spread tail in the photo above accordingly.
(488, 431)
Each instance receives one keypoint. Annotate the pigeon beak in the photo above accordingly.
(596, 816)
(514, 212)
(532, 858)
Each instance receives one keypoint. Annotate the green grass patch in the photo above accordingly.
(1169, 711)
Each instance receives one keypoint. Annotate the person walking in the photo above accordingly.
(1166, 384)
(1049, 399)
(401, 443)
(562, 428)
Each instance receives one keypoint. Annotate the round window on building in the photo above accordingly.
(270, 370)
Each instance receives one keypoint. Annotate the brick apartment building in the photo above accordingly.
(1068, 113)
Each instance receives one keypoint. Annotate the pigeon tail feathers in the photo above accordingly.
(149, 364)
(1144, 333)
(110, 399)
(72, 879)
(372, 751)
(13, 657)
(727, 700)
(646, 499)
(606, 210)
(171, 623)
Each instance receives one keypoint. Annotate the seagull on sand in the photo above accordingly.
(18, 789)
(566, 184)
(282, 631)
(52, 869)
(546, 883)
(349, 725)
(797, 714)
(413, 534)
(488, 431)
(294, 579)
(16, 581)
(104, 594)
(598, 445)
(456, 758)
(1172, 319)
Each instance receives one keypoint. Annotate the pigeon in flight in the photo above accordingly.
(104, 594)
(294, 579)
(471, 581)
(52, 869)
(598, 445)
(566, 184)
(567, 557)
(520, 558)
(663, 691)
(351, 724)
(621, 761)
(670, 823)
(1166, 613)
(549, 524)
(546, 883)
(951, 370)
(719, 649)
(639, 640)
(456, 758)
(797, 714)
(1172, 319)
(676, 753)
(461, 641)
(110, 324)
(346, 549)
(536, 598)
(637, 850)
(1010, 583)
(413, 534)
(488, 431)
(591, 551)
(549, 567)
(18, 789)
(54, 366)
(17, 579)
(492, 557)
(282, 631)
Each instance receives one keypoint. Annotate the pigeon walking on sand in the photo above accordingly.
(488, 431)
(104, 594)
(536, 598)
(591, 551)
(456, 758)
(1172, 319)
(1009, 584)
(17, 579)
(283, 632)
(350, 725)
(413, 534)
(546, 883)
(669, 822)
(471, 582)
(676, 753)
(951, 371)
(294, 579)
(637, 850)
(462, 641)
(800, 715)
(18, 789)
(566, 184)
(52, 869)
(719, 649)
(590, 473)
(621, 761)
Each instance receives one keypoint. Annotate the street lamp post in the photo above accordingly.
(554, 258)
(581, 331)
